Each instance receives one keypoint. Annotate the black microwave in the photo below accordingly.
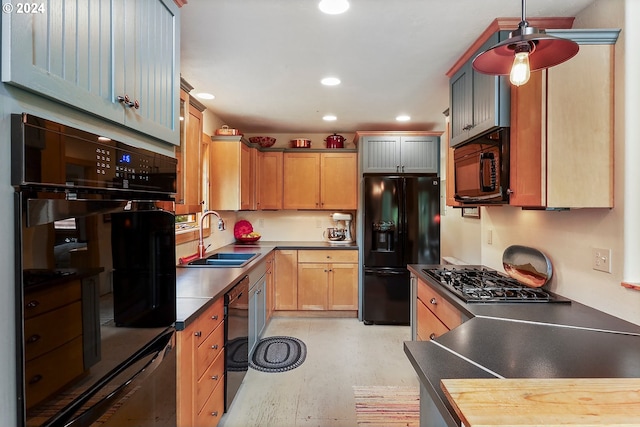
(481, 169)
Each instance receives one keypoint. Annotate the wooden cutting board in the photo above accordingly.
(545, 402)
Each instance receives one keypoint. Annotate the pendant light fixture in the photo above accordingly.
(527, 49)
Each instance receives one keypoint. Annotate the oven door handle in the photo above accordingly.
(159, 347)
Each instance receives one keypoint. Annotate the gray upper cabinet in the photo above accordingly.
(479, 102)
(400, 154)
(116, 59)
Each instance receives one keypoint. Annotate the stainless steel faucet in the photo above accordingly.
(201, 249)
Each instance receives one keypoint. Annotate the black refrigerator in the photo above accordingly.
(401, 226)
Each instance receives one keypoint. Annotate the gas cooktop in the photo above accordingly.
(482, 284)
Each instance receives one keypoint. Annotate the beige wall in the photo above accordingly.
(567, 237)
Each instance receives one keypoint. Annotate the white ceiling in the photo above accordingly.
(263, 59)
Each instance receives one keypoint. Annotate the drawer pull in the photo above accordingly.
(214, 317)
(214, 347)
(215, 378)
(433, 301)
(198, 333)
(214, 414)
(432, 336)
(33, 304)
(33, 338)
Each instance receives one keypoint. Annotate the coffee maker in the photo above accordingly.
(341, 233)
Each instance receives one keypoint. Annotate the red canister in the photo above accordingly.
(335, 141)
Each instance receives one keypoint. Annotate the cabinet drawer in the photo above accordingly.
(445, 311)
(429, 326)
(212, 378)
(333, 256)
(50, 298)
(209, 350)
(213, 409)
(209, 321)
(51, 371)
(43, 333)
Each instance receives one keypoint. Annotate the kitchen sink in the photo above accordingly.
(225, 259)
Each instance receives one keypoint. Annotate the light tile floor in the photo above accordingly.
(341, 353)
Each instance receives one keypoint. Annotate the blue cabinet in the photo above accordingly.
(389, 153)
(115, 59)
(479, 102)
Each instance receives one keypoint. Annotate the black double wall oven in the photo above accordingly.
(95, 278)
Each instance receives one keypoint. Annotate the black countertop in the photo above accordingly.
(197, 287)
(523, 340)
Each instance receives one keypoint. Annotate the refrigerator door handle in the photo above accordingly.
(159, 347)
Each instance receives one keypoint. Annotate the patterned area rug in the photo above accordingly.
(237, 357)
(278, 354)
(387, 406)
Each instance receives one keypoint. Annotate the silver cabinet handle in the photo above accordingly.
(214, 347)
(214, 414)
(126, 101)
(198, 333)
(215, 378)
(433, 301)
(432, 336)
(214, 317)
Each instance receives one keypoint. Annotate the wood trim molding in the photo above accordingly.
(629, 285)
(181, 3)
(500, 24)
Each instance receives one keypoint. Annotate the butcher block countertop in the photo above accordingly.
(523, 344)
(545, 402)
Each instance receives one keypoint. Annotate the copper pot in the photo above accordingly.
(335, 141)
(301, 143)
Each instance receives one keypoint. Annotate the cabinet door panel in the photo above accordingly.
(343, 287)
(461, 107)
(269, 181)
(286, 282)
(312, 286)
(429, 326)
(420, 154)
(301, 182)
(339, 181)
(381, 154)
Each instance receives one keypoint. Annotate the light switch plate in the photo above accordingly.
(601, 259)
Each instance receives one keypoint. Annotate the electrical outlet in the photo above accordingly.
(261, 223)
(601, 259)
(318, 223)
(489, 237)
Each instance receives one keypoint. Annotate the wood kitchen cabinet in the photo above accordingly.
(562, 129)
(88, 57)
(434, 315)
(232, 174)
(188, 153)
(327, 280)
(479, 101)
(269, 180)
(315, 180)
(286, 279)
(200, 362)
(400, 152)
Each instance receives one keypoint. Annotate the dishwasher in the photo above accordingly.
(236, 330)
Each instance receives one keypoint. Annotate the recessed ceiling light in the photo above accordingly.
(329, 118)
(333, 7)
(204, 95)
(403, 118)
(330, 81)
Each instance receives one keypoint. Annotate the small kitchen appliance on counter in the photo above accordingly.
(341, 234)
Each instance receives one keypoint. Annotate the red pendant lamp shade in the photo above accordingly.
(543, 50)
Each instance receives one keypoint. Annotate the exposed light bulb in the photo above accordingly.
(520, 71)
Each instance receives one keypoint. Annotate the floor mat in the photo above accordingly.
(387, 406)
(278, 354)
